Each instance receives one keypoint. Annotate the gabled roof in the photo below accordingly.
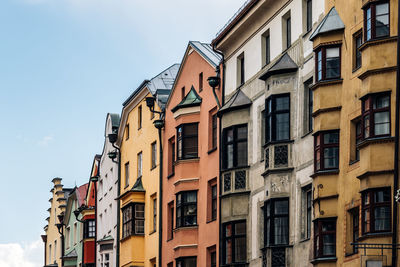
(190, 100)
(284, 65)
(331, 22)
(81, 194)
(238, 101)
(71, 254)
(206, 51)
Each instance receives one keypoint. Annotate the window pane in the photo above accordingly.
(240, 228)
(228, 230)
(328, 226)
(229, 135)
(281, 207)
(281, 230)
(382, 196)
(382, 123)
(282, 103)
(282, 126)
(382, 218)
(332, 52)
(331, 138)
(242, 154)
(242, 133)
(190, 147)
(328, 244)
(228, 251)
(382, 9)
(331, 157)
(240, 249)
(229, 156)
(381, 102)
(332, 67)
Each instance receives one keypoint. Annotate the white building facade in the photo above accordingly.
(267, 142)
(107, 192)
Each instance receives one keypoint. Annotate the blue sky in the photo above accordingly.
(63, 65)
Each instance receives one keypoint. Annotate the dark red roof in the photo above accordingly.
(81, 194)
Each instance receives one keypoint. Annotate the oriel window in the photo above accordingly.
(186, 208)
(187, 141)
(278, 118)
(376, 20)
(235, 146)
(234, 243)
(376, 115)
(328, 63)
(326, 150)
(325, 238)
(276, 220)
(376, 210)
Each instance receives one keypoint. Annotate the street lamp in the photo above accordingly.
(214, 81)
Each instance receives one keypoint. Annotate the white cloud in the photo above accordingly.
(46, 140)
(27, 254)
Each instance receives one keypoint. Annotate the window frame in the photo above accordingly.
(372, 6)
(180, 207)
(180, 140)
(172, 156)
(200, 81)
(90, 228)
(270, 216)
(318, 233)
(233, 237)
(323, 58)
(133, 220)
(153, 154)
(214, 131)
(180, 262)
(270, 118)
(288, 31)
(234, 142)
(170, 222)
(214, 202)
(309, 13)
(321, 147)
(357, 51)
(140, 120)
(126, 174)
(371, 208)
(371, 111)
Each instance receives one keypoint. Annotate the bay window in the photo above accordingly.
(276, 222)
(376, 115)
(328, 61)
(186, 208)
(376, 20)
(234, 249)
(277, 118)
(326, 150)
(325, 238)
(376, 210)
(235, 146)
(186, 262)
(90, 228)
(133, 220)
(187, 141)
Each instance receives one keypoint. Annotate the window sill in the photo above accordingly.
(352, 162)
(325, 172)
(152, 232)
(128, 237)
(305, 240)
(278, 142)
(277, 170)
(210, 221)
(170, 239)
(350, 254)
(324, 259)
(377, 41)
(190, 227)
(307, 134)
(356, 69)
(375, 140)
(229, 194)
(211, 150)
(373, 235)
(240, 264)
(326, 83)
(182, 161)
(170, 175)
(277, 246)
(305, 34)
(152, 168)
(235, 168)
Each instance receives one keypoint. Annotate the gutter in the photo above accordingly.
(396, 148)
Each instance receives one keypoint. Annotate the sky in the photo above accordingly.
(64, 64)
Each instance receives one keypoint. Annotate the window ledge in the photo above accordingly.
(191, 227)
(235, 168)
(373, 235)
(171, 175)
(305, 240)
(352, 162)
(277, 246)
(377, 41)
(356, 69)
(324, 259)
(325, 172)
(375, 140)
(152, 232)
(128, 237)
(182, 161)
(232, 194)
(307, 134)
(350, 254)
(326, 83)
(278, 142)
(277, 170)
(152, 168)
(210, 221)
(211, 150)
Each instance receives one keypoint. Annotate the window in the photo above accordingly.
(328, 63)
(325, 238)
(213, 259)
(133, 220)
(357, 39)
(171, 264)
(186, 262)
(140, 164)
(171, 156)
(234, 242)
(266, 45)
(214, 131)
(183, 92)
(153, 155)
(55, 250)
(90, 228)
(235, 146)
(214, 202)
(288, 32)
(309, 14)
(376, 210)
(355, 230)
(376, 20)
(186, 208)
(326, 150)
(200, 82)
(376, 115)
(276, 222)
(187, 141)
(127, 131)
(308, 106)
(263, 138)
(358, 138)
(49, 253)
(277, 118)
(307, 211)
(240, 70)
(75, 232)
(170, 229)
(140, 117)
(126, 174)
(67, 237)
(154, 214)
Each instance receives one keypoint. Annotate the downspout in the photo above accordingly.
(95, 223)
(118, 203)
(396, 148)
(220, 153)
(160, 200)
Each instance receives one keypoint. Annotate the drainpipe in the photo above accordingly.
(220, 152)
(118, 203)
(160, 199)
(396, 148)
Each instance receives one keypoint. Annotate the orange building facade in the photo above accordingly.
(191, 163)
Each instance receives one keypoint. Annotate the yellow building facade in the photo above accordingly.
(354, 133)
(138, 141)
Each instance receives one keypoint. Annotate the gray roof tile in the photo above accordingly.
(331, 22)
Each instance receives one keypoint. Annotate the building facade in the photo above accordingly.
(266, 122)
(138, 142)
(190, 174)
(52, 237)
(107, 208)
(354, 134)
(73, 229)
